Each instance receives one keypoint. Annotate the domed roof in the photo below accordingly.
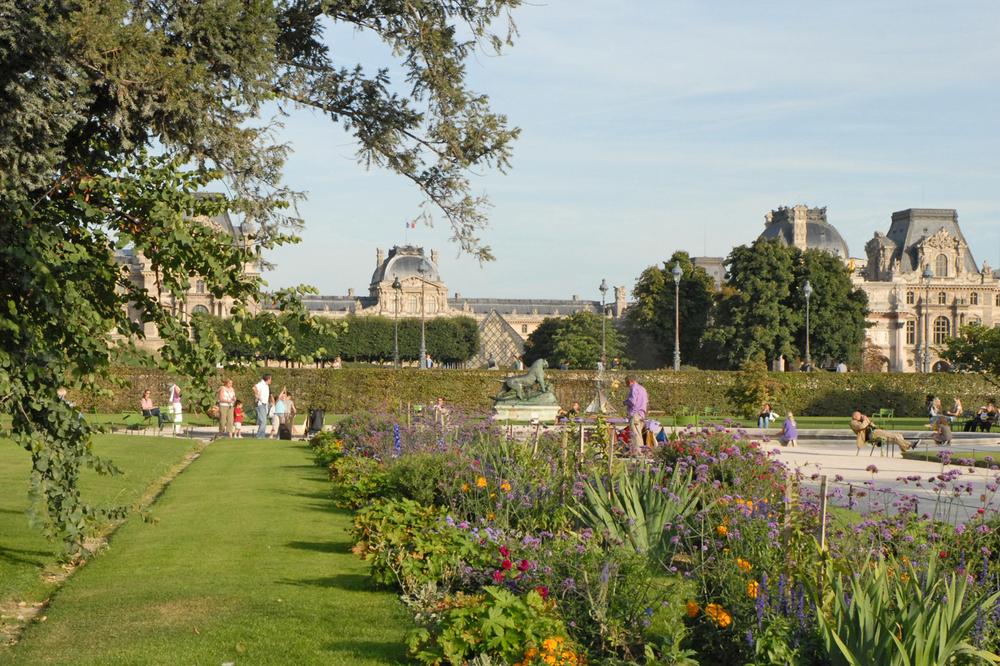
(405, 262)
(820, 234)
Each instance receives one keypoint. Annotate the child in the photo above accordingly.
(789, 431)
(238, 419)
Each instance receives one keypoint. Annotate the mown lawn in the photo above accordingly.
(248, 562)
(24, 553)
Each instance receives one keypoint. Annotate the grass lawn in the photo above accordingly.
(248, 562)
(24, 553)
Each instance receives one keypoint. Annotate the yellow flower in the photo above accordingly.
(550, 659)
(481, 482)
(753, 588)
(743, 565)
(550, 644)
(505, 487)
(692, 609)
(719, 615)
(490, 516)
(722, 530)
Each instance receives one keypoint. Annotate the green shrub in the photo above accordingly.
(326, 448)
(411, 545)
(496, 623)
(357, 480)
(427, 478)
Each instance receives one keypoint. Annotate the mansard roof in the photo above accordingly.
(913, 226)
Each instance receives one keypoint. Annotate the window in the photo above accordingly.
(524, 328)
(414, 304)
(941, 266)
(942, 298)
(909, 298)
(975, 321)
(942, 330)
(199, 286)
(199, 309)
(911, 332)
(431, 305)
(998, 301)
(973, 298)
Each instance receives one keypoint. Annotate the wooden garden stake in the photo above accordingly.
(822, 512)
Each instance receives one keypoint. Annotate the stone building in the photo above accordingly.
(805, 228)
(906, 309)
(504, 323)
(198, 298)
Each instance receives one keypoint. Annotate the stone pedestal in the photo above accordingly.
(516, 412)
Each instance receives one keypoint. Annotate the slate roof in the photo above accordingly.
(912, 225)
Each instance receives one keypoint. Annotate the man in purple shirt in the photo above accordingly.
(636, 403)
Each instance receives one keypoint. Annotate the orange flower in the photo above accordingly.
(505, 487)
(753, 589)
(719, 615)
(722, 530)
(743, 565)
(692, 609)
(465, 487)
(481, 482)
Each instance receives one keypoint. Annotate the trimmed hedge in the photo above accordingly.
(360, 388)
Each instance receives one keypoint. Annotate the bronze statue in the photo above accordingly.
(522, 387)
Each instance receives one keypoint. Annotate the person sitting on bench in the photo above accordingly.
(868, 433)
(148, 410)
(984, 418)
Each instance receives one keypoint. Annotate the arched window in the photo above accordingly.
(199, 309)
(941, 266)
(942, 330)
(909, 298)
(973, 298)
(911, 332)
(942, 298)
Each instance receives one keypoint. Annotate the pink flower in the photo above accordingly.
(504, 552)
(498, 577)
(524, 565)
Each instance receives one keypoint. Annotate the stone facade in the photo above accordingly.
(504, 323)
(907, 311)
(197, 299)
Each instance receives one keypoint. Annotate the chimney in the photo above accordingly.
(458, 295)
(379, 256)
(575, 297)
(350, 292)
(434, 257)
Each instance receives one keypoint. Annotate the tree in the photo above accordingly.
(754, 321)
(761, 310)
(575, 340)
(649, 320)
(86, 88)
(975, 349)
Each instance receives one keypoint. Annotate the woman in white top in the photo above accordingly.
(226, 398)
(175, 406)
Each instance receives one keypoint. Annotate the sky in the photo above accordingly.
(649, 127)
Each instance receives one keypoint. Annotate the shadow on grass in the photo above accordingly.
(350, 582)
(19, 556)
(339, 547)
(386, 653)
(317, 495)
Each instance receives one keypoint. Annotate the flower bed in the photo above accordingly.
(538, 552)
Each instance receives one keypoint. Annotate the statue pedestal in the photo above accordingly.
(516, 412)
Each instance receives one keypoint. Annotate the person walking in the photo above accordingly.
(866, 433)
(226, 399)
(262, 396)
(174, 391)
(636, 404)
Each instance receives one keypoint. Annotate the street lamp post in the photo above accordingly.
(677, 272)
(604, 316)
(397, 288)
(422, 268)
(808, 291)
(926, 276)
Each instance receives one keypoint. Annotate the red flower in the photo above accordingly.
(497, 577)
(542, 591)
(506, 565)
(524, 565)
(504, 552)
(943, 554)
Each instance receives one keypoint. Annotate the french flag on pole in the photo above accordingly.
(411, 225)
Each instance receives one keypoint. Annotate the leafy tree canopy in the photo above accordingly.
(975, 349)
(650, 318)
(88, 87)
(574, 340)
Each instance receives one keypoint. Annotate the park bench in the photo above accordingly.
(136, 422)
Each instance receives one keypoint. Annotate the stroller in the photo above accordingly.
(314, 423)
